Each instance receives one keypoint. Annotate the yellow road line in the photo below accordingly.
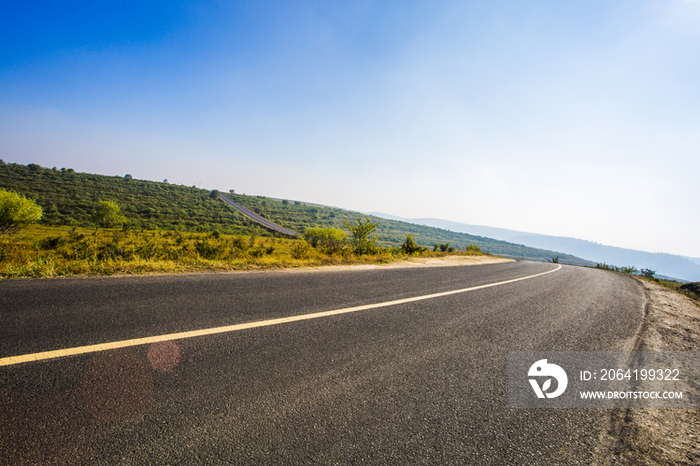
(8, 361)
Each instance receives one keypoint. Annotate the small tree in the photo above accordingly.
(214, 194)
(648, 273)
(410, 246)
(16, 212)
(107, 214)
(444, 247)
(362, 243)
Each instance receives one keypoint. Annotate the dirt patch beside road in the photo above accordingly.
(658, 436)
(448, 261)
(410, 262)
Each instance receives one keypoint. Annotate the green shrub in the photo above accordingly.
(208, 250)
(329, 239)
(238, 243)
(410, 246)
(16, 212)
(300, 249)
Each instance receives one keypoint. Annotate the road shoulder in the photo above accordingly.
(658, 436)
(410, 262)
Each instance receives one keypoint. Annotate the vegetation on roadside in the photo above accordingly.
(691, 289)
(648, 274)
(329, 240)
(410, 247)
(445, 247)
(361, 241)
(16, 212)
(631, 270)
(46, 251)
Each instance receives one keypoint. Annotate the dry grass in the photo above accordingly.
(40, 251)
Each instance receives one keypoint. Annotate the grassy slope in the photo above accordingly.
(68, 199)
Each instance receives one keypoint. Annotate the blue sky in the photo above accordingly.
(566, 118)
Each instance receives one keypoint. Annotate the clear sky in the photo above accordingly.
(570, 118)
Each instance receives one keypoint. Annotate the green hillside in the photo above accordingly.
(69, 198)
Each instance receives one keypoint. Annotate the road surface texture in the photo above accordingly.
(422, 382)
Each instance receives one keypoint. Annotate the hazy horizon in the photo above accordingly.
(577, 120)
(447, 221)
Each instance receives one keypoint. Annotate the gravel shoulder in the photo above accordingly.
(658, 436)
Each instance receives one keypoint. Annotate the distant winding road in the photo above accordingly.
(257, 218)
(417, 382)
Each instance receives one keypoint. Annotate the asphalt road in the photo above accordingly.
(417, 383)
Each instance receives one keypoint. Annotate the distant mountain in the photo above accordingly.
(693, 259)
(670, 265)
